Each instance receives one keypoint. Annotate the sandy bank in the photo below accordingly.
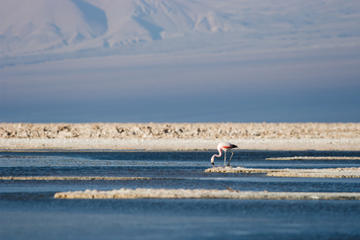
(313, 173)
(204, 194)
(181, 136)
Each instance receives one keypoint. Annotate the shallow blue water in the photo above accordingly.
(28, 210)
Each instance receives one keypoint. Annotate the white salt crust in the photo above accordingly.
(124, 193)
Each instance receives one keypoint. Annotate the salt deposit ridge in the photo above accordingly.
(204, 194)
(180, 136)
(312, 173)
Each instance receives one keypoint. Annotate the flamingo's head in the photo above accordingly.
(213, 160)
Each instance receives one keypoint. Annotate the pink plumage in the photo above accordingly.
(223, 147)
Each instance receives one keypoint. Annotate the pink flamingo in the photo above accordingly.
(223, 146)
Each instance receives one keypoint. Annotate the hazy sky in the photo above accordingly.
(240, 90)
(206, 77)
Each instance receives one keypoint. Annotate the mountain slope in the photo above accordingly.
(44, 25)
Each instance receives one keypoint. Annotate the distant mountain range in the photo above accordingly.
(52, 26)
(46, 25)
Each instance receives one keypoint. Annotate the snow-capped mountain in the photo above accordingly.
(39, 25)
(53, 26)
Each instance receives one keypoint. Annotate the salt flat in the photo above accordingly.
(180, 136)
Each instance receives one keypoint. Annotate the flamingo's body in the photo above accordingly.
(223, 147)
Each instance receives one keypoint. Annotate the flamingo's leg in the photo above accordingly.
(224, 158)
(232, 153)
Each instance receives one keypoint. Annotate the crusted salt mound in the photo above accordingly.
(180, 136)
(180, 130)
(314, 158)
(313, 173)
(65, 178)
(236, 170)
(124, 193)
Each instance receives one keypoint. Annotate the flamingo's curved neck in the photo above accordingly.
(220, 153)
(216, 155)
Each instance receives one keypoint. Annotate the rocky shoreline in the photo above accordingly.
(180, 136)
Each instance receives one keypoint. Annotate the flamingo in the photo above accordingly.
(223, 146)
